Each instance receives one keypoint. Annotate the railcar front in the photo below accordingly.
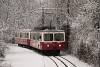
(52, 41)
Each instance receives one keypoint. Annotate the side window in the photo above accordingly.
(20, 35)
(23, 35)
(26, 35)
(38, 36)
(35, 36)
(16, 34)
(32, 36)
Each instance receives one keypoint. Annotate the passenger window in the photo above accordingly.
(20, 34)
(40, 38)
(26, 35)
(48, 37)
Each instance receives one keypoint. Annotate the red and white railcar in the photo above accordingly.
(51, 41)
(23, 37)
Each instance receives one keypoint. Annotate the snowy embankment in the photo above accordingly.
(22, 57)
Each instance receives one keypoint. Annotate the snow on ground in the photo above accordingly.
(22, 57)
(77, 62)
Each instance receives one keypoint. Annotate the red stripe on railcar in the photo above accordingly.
(28, 42)
(23, 41)
(52, 45)
(34, 43)
(31, 43)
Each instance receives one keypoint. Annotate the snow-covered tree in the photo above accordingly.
(84, 37)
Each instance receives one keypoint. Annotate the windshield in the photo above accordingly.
(48, 37)
(59, 37)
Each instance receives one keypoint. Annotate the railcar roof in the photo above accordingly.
(26, 31)
(48, 31)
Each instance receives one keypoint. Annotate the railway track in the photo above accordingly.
(63, 61)
(54, 61)
(68, 61)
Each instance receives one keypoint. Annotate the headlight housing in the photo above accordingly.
(59, 45)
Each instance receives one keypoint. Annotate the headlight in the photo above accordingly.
(59, 45)
(47, 45)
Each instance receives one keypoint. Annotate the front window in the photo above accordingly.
(48, 37)
(59, 37)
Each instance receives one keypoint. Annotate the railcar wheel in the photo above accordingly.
(19, 45)
(50, 52)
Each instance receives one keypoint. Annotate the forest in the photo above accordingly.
(79, 18)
